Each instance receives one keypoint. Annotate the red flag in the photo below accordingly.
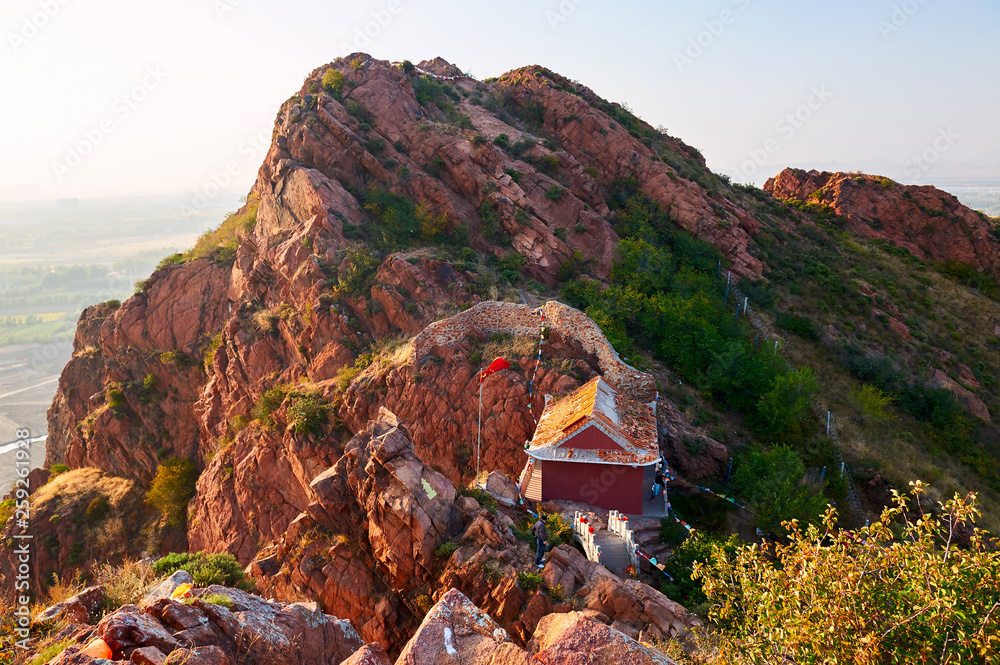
(495, 366)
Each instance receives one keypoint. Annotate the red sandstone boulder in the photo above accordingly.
(76, 609)
(456, 631)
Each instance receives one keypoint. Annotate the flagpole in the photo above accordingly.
(479, 440)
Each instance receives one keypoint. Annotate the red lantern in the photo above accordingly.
(591, 529)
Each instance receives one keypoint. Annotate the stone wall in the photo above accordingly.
(505, 317)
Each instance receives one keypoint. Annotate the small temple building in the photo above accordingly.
(594, 446)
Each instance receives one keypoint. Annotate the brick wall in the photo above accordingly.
(511, 318)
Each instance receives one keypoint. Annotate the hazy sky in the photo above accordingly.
(113, 97)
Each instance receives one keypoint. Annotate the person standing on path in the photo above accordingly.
(657, 484)
(541, 540)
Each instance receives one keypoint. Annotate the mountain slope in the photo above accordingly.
(389, 200)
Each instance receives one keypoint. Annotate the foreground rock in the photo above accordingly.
(218, 626)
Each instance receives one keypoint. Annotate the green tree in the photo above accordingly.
(772, 484)
(787, 403)
(898, 591)
(702, 547)
(172, 489)
(872, 404)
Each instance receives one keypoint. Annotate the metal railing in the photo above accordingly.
(583, 532)
(618, 524)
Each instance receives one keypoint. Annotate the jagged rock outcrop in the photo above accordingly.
(217, 625)
(930, 223)
(122, 406)
(372, 530)
(224, 626)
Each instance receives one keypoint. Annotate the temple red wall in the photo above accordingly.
(604, 485)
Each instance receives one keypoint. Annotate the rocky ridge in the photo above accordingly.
(928, 222)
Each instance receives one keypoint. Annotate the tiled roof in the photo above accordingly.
(629, 424)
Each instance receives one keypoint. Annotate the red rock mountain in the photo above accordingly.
(932, 224)
(258, 354)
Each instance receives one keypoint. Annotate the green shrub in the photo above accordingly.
(49, 653)
(206, 569)
(479, 140)
(529, 581)
(555, 193)
(773, 485)
(359, 111)
(515, 175)
(114, 397)
(802, 326)
(177, 359)
(518, 149)
(900, 584)
(445, 550)
(75, 553)
(149, 382)
(220, 245)
(6, 510)
(57, 469)
(269, 402)
(700, 547)
(97, 509)
(484, 498)
(308, 414)
(375, 146)
(408, 67)
(787, 403)
(548, 164)
(580, 228)
(560, 232)
(502, 141)
(113, 304)
(219, 599)
(872, 404)
(172, 489)
(333, 82)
